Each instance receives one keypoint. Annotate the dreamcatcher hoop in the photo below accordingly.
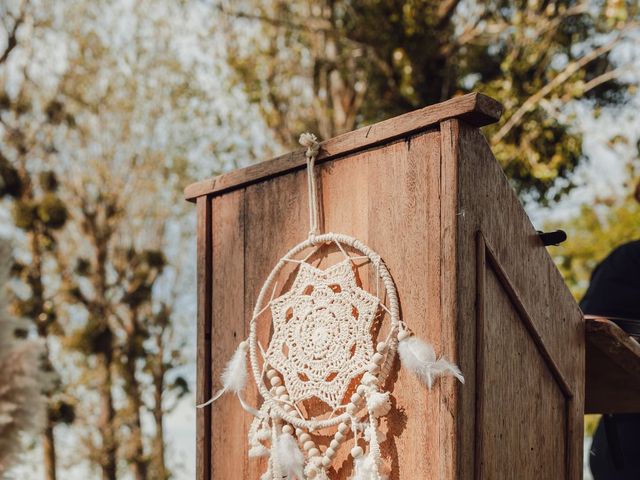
(391, 342)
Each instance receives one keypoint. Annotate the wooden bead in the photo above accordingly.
(381, 347)
(314, 452)
(308, 445)
(281, 390)
(275, 381)
(361, 390)
(334, 445)
(287, 429)
(377, 358)
(373, 368)
(355, 398)
(330, 452)
(356, 452)
(299, 433)
(343, 428)
(326, 461)
(339, 436)
(271, 373)
(304, 437)
(244, 345)
(351, 408)
(312, 474)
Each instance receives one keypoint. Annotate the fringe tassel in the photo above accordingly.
(420, 358)
(234, 376)
(290, 457)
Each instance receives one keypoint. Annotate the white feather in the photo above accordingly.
(290, 457)
(234, 376)
(258, 451)
(365, 468)
(420, 358)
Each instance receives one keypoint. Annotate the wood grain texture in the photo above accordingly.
(474, 108)
(612, 369)
(203, 341)
(405, 229)
(526, 306)
(228, 432)
(492, 301)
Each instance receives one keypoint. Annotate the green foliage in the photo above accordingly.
(25, 214)
(94, 338)
(48, 181)
(331, 66)
(592, 235)
(52, 211)
(62, 411)
(10, 182)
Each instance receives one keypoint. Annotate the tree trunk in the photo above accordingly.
(107, 419)
(49, 447)
(158, 416)
(138, 462)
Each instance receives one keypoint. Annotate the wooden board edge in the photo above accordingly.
(474, 108)
(203, 341)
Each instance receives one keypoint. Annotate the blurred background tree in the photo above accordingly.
(23, 407)
(30, 117)
(331, 66)
(102, 127)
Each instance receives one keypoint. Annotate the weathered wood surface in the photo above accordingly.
(476, 109)
(473, 278)
(397, 214)
(612, 369)
(203, 360)
(520, 334)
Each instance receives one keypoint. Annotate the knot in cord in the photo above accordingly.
(310, 141)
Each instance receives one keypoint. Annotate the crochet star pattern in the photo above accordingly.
(321, 337)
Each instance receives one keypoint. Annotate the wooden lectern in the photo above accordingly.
(473, 277)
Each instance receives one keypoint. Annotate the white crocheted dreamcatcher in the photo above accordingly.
(330, 348)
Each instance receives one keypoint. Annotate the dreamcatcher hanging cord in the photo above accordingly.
(310, 141)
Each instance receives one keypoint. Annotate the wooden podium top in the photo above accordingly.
(474, 108)
(612, 369)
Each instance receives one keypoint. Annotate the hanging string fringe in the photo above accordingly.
(310, 141)
(290, 457)
(234, 376)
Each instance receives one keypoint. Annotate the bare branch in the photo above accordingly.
(445, 11)
(558, 80)
(310, 24)
(12, 37)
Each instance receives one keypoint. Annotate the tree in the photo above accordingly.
(331, 66)
(23, 406)
(28, 119)
(92, 160)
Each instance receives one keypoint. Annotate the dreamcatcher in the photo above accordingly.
(321, 371)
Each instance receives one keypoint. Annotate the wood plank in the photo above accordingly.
(449, 308)
(486, 202)
(612, 369)
(404, 228)
(475, 108)
(228, 433)
(275, 219)
(203, 341)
